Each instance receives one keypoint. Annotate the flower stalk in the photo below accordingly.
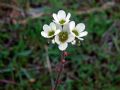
(61, 68)
(62, 31)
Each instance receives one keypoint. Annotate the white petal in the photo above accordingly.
(66, 27)
(80, 27)
(46, 28)
(70, 38)
(73, 42)
(50, 36)
(59, 27)
(62, 46)
(72, 25)
(56, 22)
(72, 33)
(61, 14)
(80, 38)
(68, 17)
(82, 34)
(44, 34)
(57, 32)
(53, 26)
(55, 17)
(57, 39)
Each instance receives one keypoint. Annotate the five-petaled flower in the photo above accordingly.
(61, 17)
(50, 30)
(64, 37)
(78, 30)
(62, 31)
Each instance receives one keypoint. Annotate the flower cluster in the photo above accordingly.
(63, 31)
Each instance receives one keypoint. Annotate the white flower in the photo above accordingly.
(61, 17)
(63, 38)
(78, 30)
(62, 31)
(53, 41)
(50, 30)
(73, 42)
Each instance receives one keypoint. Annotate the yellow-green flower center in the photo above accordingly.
(75, 32)
(51, 33)
(62, 21)
(63, 36)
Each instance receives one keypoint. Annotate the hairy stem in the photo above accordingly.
(60, 71)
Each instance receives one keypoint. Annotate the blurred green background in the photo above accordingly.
(94, 65)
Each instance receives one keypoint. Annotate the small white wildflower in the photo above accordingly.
(50, 30)
(78, 30)
(73, 42)
(62, 31)
(53, 41)
(63, 38)
(61, 17)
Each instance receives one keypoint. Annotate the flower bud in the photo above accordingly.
(65, 53)
(63, 61)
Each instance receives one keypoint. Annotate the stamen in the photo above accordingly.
(63, 36)
(62, 21)
(51, 33)
(75, 32)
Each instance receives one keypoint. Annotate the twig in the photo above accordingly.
(49, 67)
(30, 17)
(104, 7)
(10, 6)
(7, 81)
